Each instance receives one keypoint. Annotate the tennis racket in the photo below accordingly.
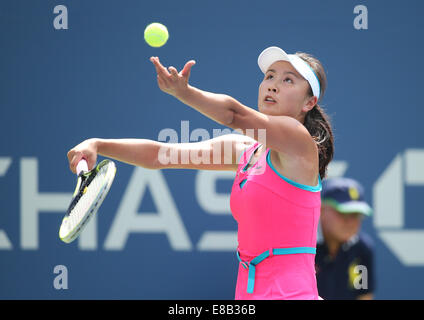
(92, 188)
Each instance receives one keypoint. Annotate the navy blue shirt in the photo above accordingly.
(350, 273)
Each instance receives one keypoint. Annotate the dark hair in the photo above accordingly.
(317, 121)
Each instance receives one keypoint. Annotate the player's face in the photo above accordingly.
(339, 226)
(288, 89)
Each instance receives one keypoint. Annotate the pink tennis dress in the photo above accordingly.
(277, 226)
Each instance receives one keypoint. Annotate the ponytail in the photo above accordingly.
(319, 127)
(316, 120)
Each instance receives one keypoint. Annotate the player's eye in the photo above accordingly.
(268, 76)
(288, 80)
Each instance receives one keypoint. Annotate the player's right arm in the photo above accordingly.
(220, 153)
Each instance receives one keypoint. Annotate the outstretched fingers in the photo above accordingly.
(187, 69)
(169, 79)
(160, 69)
(173, 71)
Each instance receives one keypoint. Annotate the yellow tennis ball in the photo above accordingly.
(156, 34)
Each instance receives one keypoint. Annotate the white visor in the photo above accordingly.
(273, 54)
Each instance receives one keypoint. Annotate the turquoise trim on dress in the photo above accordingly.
(255, 261)
(316, 188)
(243, 183)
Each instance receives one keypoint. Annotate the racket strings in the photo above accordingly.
(90, 197)
(86, 199)
(86, 181)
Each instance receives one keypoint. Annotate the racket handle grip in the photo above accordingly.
(82, 166)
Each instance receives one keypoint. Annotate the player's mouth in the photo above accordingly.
(269, 100)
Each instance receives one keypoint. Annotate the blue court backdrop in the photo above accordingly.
(169, 234)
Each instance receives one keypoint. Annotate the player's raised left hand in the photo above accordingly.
(170, 80)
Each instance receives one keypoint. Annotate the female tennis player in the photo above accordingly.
(275, 196)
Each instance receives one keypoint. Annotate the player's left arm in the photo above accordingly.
(282, 133)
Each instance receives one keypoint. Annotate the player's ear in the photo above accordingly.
(309, 104)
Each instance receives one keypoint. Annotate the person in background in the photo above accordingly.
(344, 260)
